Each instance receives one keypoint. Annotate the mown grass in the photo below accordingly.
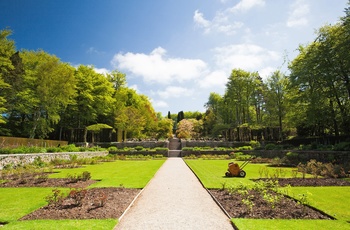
(212, 172)
(62, 224)
(18, 202)
(128, 174)
(334, 201)
(256, 224)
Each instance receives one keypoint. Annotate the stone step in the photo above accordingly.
(174, 153)
(174, 144)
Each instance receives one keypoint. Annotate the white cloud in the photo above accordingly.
(215, 78)
(103, 71)
(249, 57)
(199, 19)
(159, 104)
(174, 92)
(156, 67)
(135, 87)
(299, 11)
(266, 72)
(221, 23)
(245, 5)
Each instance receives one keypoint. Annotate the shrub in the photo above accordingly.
(70, 148)
(187, 149)
(56, 198)
(77, 195)
(54, 149)
(138, 148)
(5, 151)
(161, 149)
(85, 176)
(255, 144)
(343, 146)
(112, 149)
(270, 146)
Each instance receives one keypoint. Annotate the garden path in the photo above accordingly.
(174, 199)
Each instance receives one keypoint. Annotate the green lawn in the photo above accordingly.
(334, 201)
(212, 172)
(130, 174)
(62, 224)
(17, 202)
(257, 224)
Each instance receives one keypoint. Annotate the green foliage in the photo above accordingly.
(254, 144)
(139, 148)
(56, 198)
(343, 146)
(270, 146)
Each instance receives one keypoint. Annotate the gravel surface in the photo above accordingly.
(174, 199)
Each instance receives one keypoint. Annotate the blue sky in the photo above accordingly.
(175, 52)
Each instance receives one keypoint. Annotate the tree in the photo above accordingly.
(322, 75)
(39, 95)
(238, 98)
(184, 129)
(93, 98)
(7, 49)
(276, 99)
(165, 128)
(130, 120)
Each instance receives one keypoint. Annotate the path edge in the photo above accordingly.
(213, 197)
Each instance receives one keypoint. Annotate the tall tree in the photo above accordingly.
(7, 49)
(45, 90)
(276, 99)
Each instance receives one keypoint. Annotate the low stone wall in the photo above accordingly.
(185, 153)
(22, 159)
(145, 153)
(132, 144)
(212, 144)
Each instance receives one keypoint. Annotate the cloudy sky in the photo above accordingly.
(174, 51)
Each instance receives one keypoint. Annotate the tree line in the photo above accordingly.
(312, 100)
(41, 97)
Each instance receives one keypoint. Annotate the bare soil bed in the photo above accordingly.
(115, 200)
(311, 182)
(285, 208)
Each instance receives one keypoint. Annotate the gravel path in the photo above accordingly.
(174, 199)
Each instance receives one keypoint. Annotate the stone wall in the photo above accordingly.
(22, 159)
(132, 144)
(212, 144)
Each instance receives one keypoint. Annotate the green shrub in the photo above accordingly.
(70, 148)
(255, 144)
(54, 149)
(342, 146)
(5, 151)
(187, 149)
(112, 148)
(138, 148)
(161, 149)
(270, 146)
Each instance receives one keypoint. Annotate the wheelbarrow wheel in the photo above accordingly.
(228, 174)
(242, 173)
